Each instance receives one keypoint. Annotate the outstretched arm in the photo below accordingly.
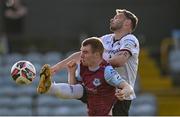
(63, 64)
(72, 66)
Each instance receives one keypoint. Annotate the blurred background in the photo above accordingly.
(44, 31)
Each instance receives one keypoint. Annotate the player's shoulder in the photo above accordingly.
(107, 36)
(130, 38)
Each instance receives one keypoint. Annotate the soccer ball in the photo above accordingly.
(23, 72)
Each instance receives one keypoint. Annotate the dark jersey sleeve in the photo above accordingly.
(84, 97)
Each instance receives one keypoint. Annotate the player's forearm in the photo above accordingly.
(117, 61)
(71, 78)
(63, 64)
(59, 66)
(120, 59)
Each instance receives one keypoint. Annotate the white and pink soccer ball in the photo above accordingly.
(23, 72)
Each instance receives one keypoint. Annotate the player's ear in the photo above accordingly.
(97, 54)
(127, 22)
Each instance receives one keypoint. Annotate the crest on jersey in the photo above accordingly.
(96, 82)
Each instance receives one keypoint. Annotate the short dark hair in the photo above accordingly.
(129, 15)
(95, 44)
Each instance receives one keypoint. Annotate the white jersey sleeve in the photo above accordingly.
(112, 77)
(131, 44)
(78, 77)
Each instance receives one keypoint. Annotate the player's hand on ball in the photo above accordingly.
(45, 79)
(72, 66)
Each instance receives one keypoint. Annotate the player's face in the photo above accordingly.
(87, 56)
(117, 22)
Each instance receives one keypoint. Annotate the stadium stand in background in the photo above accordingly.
(170, 56)
(163, 81)
(157, 94)
(50, 34)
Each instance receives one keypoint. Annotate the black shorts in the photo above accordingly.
(121, 108)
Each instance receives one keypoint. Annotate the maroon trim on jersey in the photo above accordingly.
(127, 50)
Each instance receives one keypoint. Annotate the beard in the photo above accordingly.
(115, 25)
(113, 29)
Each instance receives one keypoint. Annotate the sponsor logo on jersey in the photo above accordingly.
(112, 51)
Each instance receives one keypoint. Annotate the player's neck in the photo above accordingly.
(119, 34)
(95, 65)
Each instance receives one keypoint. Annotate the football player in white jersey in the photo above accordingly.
(121, 51)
